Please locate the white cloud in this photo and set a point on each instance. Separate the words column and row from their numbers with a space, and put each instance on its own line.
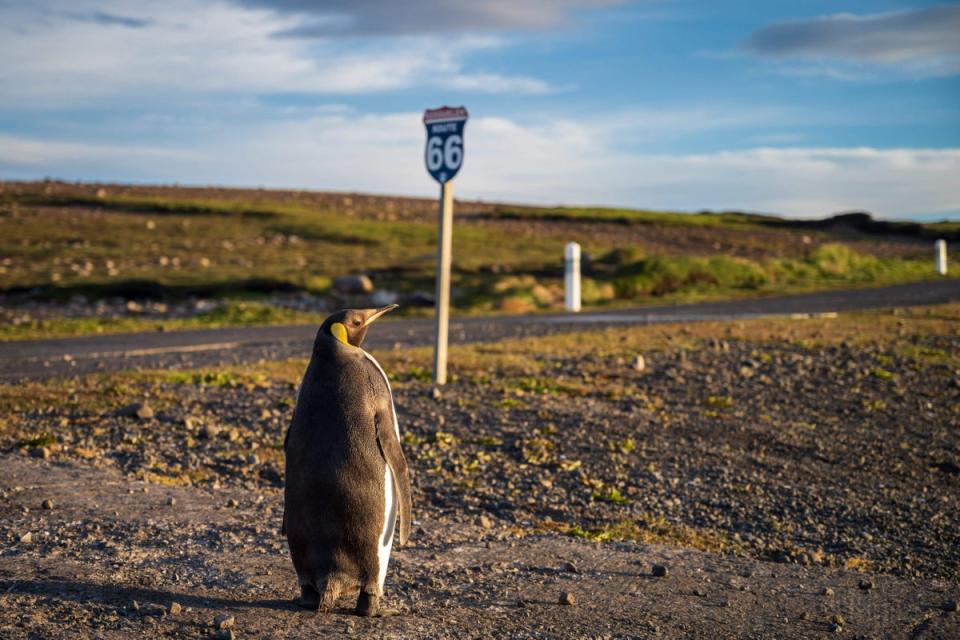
column 180, row 50
column 549, row 162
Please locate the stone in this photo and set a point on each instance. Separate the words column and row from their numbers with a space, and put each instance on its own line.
column 866, row 584
column 353, row 284
column 26, row 538
column 40, row 452
column 658, row 571
column 570, row 567
column 224, row 621
column 486, row 522
column 232, row 503
column 47, row 504
column 175, row 608
column 138, row 410
column 567, row 598
column 639, row 363
column 827, row 591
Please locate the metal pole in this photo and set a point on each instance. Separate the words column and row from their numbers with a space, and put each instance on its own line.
column 571, row 278
column 941, row 247
column 443, row 283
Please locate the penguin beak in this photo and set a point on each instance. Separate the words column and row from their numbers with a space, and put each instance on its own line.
column 377, row 313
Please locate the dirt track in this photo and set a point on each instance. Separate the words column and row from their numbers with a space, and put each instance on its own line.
column 109, row 560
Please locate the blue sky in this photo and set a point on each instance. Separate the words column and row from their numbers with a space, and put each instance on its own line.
column 802, row 109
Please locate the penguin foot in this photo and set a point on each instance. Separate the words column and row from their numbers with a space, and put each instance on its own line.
column 368, row 604
column 309, row 598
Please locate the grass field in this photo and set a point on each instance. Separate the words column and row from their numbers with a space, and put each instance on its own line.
column 59, row 241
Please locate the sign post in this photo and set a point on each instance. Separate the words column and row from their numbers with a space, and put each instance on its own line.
column 444, row 155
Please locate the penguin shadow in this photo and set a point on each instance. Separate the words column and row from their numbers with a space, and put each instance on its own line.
column 122, row 596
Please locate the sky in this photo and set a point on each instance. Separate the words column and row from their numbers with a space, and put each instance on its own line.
column 797, row 108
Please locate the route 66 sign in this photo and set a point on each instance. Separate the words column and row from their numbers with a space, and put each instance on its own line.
column 444, row 153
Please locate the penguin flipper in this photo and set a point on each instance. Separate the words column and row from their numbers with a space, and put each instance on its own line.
column 389, row 445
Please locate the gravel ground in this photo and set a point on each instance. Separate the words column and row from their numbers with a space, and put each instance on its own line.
column 117, row 558
column 832, row 465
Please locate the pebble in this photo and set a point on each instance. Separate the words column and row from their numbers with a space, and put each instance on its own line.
column 175, row 608
column 570, row 567
column 26, row 538
column 639, row 363
column 658, row 570
column 827, row 591
column 139, row 410
column 224, row 621
column 567, row 598
column 171, row 501
column 47, row 504
column 486, row 522
column 866, row 584
column 40, row 452
column 232, row 502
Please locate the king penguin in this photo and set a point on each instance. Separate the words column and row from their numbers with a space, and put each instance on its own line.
column 347, row 482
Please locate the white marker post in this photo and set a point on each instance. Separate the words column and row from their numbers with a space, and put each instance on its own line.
column 571, row 278
column 941, row 253
column 444, row 155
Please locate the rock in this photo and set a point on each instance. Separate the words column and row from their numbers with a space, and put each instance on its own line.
column 175, row 608
column 639, row 363
column 139, row 410
column 950, row 606
column 866, row 584
column 486, row 522
column 209, row 431
column 353, row 284
column 570, row 567
column 838, row 620
column 47, row 504
column 26, row 538
column 224, row 621
column 827, row 591
column 658, row 570
column 40, row 452
column 171, row 501
column 435, row 393
column 567, row 598
column 232, row 503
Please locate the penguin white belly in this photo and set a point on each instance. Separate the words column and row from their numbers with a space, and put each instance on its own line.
column 389, row 523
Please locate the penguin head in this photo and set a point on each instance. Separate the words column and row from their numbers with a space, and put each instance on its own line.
column 349, row 326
